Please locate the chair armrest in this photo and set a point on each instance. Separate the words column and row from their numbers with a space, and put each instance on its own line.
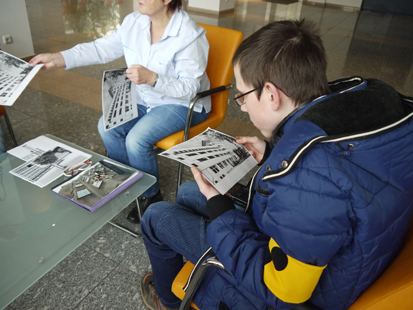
column 195, row 99
column 196, row 277
column 213, row 91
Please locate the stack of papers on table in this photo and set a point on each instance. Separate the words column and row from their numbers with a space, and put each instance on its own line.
column 45, row 160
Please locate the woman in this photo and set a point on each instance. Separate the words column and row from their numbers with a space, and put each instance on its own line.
column 166, row 53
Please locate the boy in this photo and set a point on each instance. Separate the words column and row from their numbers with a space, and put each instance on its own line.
column 330, row 206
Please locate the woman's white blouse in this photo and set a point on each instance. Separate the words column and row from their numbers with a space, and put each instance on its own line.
column 179, row 58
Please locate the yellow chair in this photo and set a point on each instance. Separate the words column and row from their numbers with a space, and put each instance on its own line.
column 222, row 46
column 8, row 123
column 392, row 290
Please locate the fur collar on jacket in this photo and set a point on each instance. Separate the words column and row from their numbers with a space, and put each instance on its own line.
column 349, row 112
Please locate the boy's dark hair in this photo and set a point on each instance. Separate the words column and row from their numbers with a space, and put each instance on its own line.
column 174, row 4
column 288, row 54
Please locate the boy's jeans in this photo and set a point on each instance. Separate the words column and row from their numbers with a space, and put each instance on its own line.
column 171, row 231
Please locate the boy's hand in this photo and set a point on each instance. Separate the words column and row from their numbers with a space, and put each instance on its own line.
column 254, row 145
column 49, row 60
column 140, row 75
column 204, row 186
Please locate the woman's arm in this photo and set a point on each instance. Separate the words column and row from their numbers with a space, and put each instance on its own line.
column 100, row 51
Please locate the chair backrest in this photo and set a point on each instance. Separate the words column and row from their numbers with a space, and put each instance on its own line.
column 223, row 43
column 394, row 288
column 222, row 46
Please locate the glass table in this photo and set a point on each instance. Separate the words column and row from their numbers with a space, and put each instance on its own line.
column 39, row 228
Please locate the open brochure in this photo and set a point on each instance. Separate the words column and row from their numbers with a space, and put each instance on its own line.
column 96, row 185
column 15, row 75
column 45, row 160
column 222, row 161
column 118, row 99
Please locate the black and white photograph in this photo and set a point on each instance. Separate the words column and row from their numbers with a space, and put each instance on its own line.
column 221, row 160
column 15, row 75
column 118, row 98
column 45, row 160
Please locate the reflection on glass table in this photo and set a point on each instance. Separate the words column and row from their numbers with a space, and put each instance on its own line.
column 39, row 228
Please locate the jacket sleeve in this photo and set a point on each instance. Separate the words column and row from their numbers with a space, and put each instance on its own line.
column 303, row 223
column 218, row 205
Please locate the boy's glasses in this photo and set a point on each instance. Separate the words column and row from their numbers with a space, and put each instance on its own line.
column 240, row 98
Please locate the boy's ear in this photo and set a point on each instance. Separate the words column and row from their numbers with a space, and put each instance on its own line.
column 273, row 95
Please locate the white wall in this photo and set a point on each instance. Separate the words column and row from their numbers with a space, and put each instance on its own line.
column 317, row 1
column 352, row 3
column 226, row 5
column 211, row 5
column 14, row 22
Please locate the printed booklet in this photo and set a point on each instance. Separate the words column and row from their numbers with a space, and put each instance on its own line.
column 221, row 160
column 96, row 185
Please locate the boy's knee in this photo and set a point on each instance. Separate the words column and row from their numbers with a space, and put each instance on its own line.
column 187, row 186
column 154, row 214
column 186, row 189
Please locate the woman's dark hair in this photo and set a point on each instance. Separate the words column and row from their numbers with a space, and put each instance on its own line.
column 174, row 4
column 288, row 54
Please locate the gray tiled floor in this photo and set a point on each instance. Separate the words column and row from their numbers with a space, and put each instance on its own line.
column 104, row 272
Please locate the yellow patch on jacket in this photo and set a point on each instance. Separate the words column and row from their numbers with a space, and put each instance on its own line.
column 289, row 279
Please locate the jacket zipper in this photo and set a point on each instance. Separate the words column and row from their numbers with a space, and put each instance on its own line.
column 262, row 191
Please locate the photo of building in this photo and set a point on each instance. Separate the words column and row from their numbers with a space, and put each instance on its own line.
column 118, row 98
column 218, row 156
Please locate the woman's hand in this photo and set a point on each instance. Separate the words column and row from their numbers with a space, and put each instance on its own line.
column 140, row 75
column 48, row 60
column 204, row 186
column 254, row 145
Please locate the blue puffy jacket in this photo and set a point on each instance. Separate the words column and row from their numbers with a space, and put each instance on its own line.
column 328, row 210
